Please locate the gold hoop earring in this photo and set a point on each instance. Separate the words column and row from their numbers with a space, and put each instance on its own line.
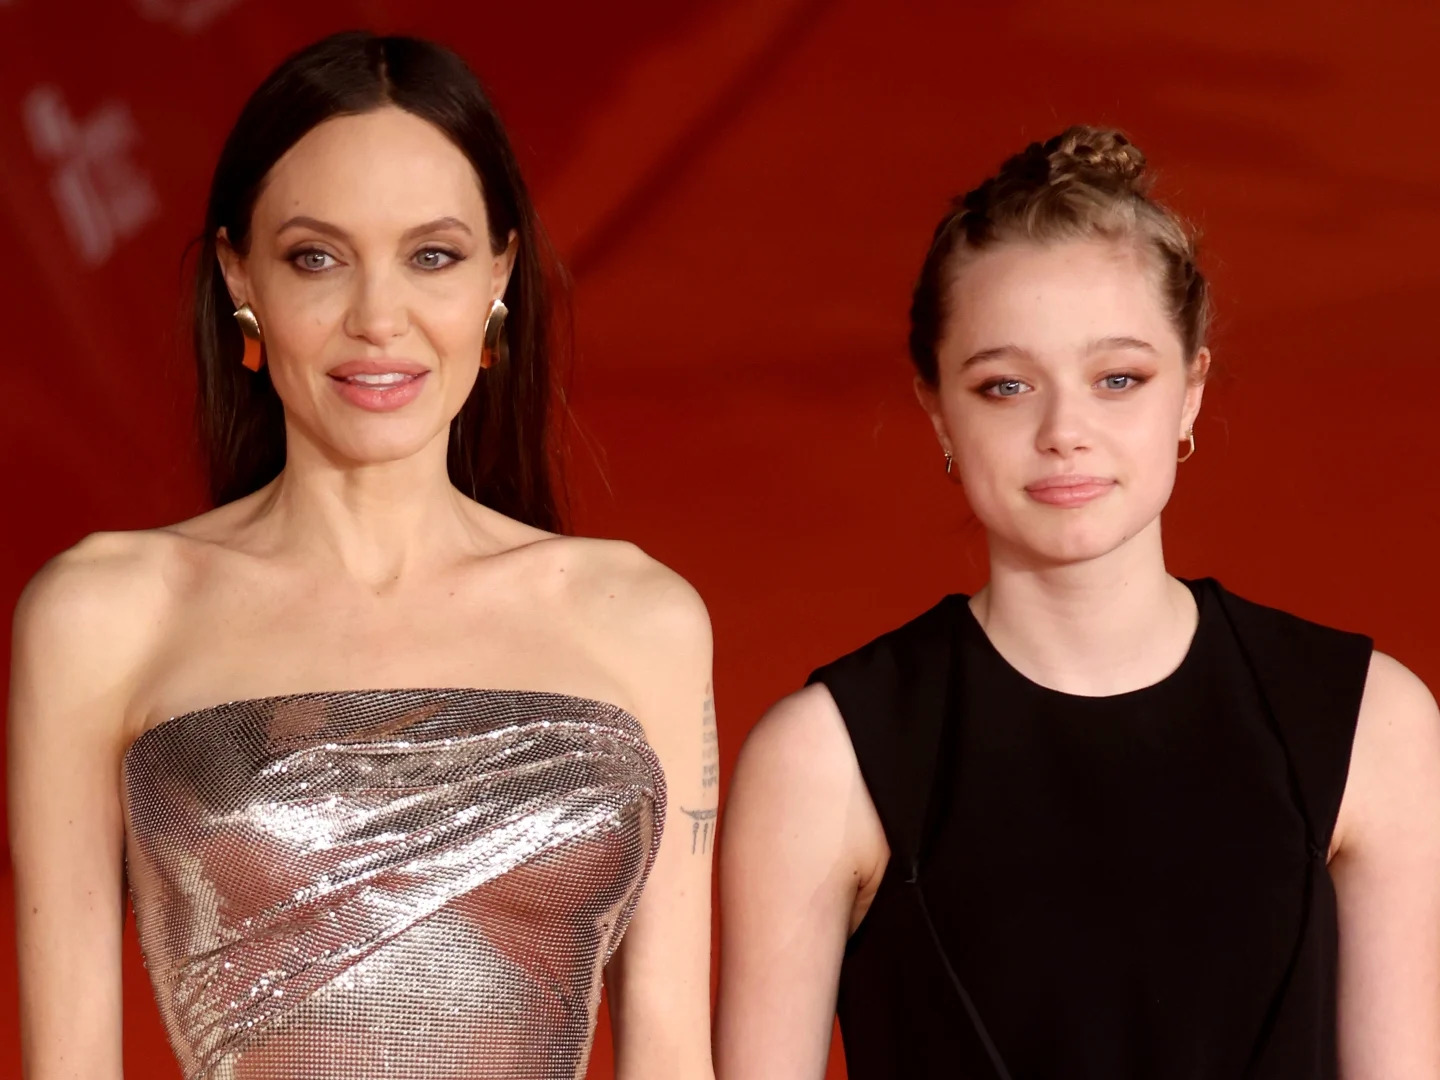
column 1190, row 435
column 951, row 473
column 254, row 358
column 497, row 346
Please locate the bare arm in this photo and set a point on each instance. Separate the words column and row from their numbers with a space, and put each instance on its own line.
column 803, row 851
column 1386, row 867
column 659, row 979
column 67, row 702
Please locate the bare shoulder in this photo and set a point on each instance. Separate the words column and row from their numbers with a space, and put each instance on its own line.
column 98, row 581
column 798, row 767
column 642, row 623
column 1386, row 870
column 86, row 619
column 800, row 748
column 1399, row 721
column 1395, row 692
column 631, row 598
column 1395, row 761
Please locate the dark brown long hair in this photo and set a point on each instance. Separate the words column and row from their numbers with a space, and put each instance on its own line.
column 499, row 451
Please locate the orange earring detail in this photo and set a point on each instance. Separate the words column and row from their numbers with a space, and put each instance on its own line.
column 496, row 346
column 254, row 358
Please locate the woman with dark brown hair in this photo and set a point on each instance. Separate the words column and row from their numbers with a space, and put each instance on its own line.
column 385, row 755
column 1093, row 822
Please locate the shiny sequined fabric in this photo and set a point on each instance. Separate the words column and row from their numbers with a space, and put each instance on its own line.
column 405, row 884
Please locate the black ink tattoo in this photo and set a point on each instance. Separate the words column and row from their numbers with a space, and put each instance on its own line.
column 702, row 822
column 709, row 743
column 702, row 830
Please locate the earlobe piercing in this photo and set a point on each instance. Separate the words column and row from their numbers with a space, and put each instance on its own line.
column 1190, row 436
column 254, row 357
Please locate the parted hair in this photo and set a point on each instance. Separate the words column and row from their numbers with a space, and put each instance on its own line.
column 500, row 447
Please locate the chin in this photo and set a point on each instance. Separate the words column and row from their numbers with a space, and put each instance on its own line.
column 381, row 447
column 1064, row 543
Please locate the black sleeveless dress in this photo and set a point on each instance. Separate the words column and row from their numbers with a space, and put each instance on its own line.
column 1100, row 888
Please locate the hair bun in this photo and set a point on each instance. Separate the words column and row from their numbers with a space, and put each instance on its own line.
column 1090, row 151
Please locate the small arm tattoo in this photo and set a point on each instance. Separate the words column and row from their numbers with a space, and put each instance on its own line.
column 702, row 822
column 709, row 743
column 702, row 830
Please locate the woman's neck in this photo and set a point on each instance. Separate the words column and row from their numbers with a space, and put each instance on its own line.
column 374, row 523
column 1101, row 627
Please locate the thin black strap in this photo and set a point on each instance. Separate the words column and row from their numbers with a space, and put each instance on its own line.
column 1311, row 681
column 895, row 696
column 996, row 1061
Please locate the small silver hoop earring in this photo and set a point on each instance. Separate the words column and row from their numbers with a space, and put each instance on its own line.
column 949, row 462
column 1190, row 435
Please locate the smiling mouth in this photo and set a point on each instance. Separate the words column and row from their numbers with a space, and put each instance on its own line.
column 379, row 391
column 376, row 382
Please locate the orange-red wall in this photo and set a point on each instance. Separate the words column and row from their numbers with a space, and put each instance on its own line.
column 743, row 189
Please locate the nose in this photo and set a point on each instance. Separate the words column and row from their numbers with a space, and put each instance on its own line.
column 377, row 312
column 1065, row 423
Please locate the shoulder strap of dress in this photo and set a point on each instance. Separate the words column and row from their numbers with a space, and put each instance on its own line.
column 893, row 695
column 1312, row 678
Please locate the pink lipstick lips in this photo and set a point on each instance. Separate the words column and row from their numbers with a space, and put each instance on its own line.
column 1068, row 491
column 379, row 385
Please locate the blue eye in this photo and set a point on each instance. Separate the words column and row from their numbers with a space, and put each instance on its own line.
column 1004, row 388
column 1120, row 382
column 435, row 258
column 312, row 260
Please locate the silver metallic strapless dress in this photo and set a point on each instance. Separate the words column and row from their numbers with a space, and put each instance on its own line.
column 404, row 884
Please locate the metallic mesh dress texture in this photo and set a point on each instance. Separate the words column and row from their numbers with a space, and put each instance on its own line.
column 404, row 884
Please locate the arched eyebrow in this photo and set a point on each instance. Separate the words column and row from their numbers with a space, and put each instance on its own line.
column 999, row 352
column 1112, row 344
column 301, row 221
column 443, row 224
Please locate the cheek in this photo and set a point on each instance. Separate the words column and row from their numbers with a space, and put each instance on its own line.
column 991, row 473
column 457, row 334
column 1152, row 436
column 990, row 442
column 1149, row 466
column 451, row 315
column 300, row 318
column 454, row 334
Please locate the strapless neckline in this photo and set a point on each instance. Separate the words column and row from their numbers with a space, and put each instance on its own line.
column 272, row 700
column 420, row 884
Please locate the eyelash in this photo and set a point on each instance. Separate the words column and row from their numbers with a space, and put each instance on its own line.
column 296, row 256
column 453, row 257
column 987, row 389
column 1135, row 380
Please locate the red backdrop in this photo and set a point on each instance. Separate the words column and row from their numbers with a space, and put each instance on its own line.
column 743, row 191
